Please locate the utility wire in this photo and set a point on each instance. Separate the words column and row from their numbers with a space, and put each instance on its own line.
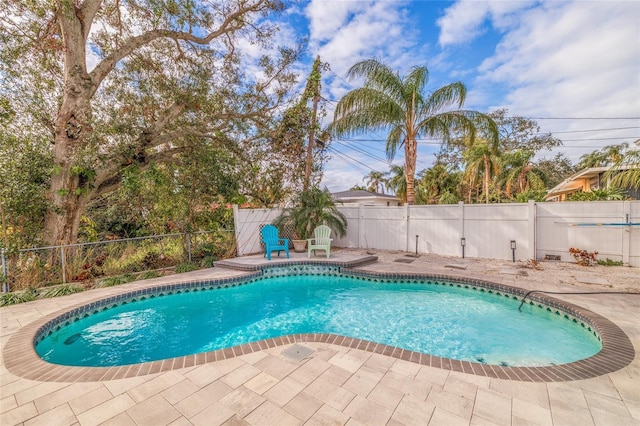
column 594, row 130
column 350, row 160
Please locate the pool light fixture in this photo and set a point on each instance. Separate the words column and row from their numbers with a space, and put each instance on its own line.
column 513, row 250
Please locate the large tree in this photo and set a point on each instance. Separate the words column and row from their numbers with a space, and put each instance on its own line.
column 116, row 85
column 519, row 174
column 403, row 107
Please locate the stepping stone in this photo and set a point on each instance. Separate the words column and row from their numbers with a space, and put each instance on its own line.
column 404, row 260
column 456, row 265
column 591, row 279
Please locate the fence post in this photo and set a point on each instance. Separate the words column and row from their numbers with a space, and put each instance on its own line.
column 4, row 271
column 407, row 223
column 361, row 231
column 626, row 233
column 63, row 264
column 532, row 230
column 461, row 221
column 189, row 246
column 236, row 228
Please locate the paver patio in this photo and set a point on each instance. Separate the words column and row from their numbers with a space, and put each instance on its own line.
column 332, row 385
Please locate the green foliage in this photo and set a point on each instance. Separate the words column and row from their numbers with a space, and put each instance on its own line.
column 556, row 169
column 520, row 133
column 18, row 297
column 625, row 172
column 397, row 182
column 358, row 187
column 26, row 167
column 440, row 184
column 149, row 275
column 535, row 195
column 606, row 156
column 207, row 262
column 609, row 262
column 607, row 194
column 186, row 267
column 157, row 91
column 116, row 280
column 376, row 182
column 60, row 290
column 403, row 107
column 32, row 293
column 312, row 208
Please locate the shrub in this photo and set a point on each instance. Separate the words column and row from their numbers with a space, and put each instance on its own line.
column 584, row 257
column 186, row 267
column 60, row 290
column 116, row 280
column 609, row 262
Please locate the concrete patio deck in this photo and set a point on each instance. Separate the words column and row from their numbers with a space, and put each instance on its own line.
column 334, row 384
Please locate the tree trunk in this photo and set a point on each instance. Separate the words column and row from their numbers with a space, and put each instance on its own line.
column 69, row 183
column 487, row 176
column 410, row 152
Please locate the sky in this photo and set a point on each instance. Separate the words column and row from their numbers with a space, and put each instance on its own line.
column 572, row 66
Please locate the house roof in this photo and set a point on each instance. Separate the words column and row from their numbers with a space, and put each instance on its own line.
column 573, row 182
column 362, row 195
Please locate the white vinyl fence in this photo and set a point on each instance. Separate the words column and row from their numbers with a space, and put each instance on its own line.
column 539, row 230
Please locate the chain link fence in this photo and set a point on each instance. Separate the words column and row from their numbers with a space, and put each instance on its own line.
column 133, row 257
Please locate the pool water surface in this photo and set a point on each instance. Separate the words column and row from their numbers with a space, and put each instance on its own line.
column 436, row 319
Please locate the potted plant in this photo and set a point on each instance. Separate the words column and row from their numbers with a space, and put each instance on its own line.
column 310, row 209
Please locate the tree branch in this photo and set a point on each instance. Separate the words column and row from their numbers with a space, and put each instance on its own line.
column 231, row 23
column 88, row 12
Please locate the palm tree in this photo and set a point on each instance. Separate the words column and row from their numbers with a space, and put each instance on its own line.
column 374, row 181
column 625, row 173
column 397, row 182
column 518, row 171
column 440, row 184
column 481, row 159
column 607, row 156
column 402, row 106
column 311, row 208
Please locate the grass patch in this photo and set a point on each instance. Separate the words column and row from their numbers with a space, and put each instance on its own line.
column 60, row 290
column 117, row 280
column 186, row 267
column 609, row 262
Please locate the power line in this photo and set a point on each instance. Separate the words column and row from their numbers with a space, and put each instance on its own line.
column 595, row 130
column 368, row 154
column 430, row 141
column 600, row 139
column 351, row 160
column 580, row 118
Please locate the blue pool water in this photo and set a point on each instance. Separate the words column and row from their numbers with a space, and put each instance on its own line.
column 440, row 320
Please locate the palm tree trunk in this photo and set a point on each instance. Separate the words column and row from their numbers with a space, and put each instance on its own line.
column 487, row 175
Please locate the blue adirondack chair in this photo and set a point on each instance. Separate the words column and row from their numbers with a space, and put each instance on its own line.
column 321, row 240
column 272, row 242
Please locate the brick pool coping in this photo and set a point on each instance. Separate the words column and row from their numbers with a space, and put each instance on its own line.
column 617, row 350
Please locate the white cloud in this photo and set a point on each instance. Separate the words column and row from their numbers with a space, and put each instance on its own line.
column 465, row 20
column 345, row 32
column 572, row 59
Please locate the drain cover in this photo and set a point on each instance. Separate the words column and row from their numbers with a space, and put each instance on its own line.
column 297, row 352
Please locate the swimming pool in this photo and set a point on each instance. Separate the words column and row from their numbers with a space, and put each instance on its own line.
column 463, row 321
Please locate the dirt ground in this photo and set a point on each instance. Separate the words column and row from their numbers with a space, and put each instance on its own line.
column 598, row 277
